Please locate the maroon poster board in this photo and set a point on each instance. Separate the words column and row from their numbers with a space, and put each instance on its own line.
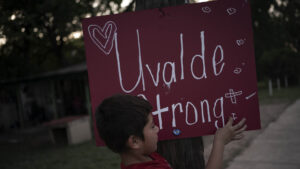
column 194, row 63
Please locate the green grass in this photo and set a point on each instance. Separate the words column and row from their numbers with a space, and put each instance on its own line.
column 87, row 155
column 83, row 156
column 283, row 95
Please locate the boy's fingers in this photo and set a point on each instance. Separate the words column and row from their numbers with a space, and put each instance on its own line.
column 230, row 121
column 238, row 137
column 240, row 124
column 241, row 129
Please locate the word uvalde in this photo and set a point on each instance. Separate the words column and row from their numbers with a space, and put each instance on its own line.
column 197, row 63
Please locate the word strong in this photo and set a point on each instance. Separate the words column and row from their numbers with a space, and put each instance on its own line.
column 197, row 64
column 192, row 112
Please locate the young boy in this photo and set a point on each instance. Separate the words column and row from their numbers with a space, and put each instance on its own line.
column 126, row 125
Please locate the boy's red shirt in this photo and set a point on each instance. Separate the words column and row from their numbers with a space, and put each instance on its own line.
column 158, row 162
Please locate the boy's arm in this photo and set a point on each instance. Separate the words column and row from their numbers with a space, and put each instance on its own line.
column 222, row 137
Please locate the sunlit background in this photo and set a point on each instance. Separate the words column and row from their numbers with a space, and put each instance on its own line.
column 78, row 34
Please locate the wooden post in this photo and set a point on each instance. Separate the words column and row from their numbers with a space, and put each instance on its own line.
column 182, row 153
column 87, row 96
column 88, row 101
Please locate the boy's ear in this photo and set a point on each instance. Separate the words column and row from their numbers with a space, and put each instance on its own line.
column 134, row 142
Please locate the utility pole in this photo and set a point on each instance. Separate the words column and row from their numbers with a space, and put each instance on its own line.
column 181, row 153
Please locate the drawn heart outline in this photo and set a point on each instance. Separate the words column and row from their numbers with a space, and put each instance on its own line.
column 206, row 9
column 231, row 11
column 107, row 32
column 240, row 42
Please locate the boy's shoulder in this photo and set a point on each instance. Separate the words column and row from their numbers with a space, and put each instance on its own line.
column 158, row 162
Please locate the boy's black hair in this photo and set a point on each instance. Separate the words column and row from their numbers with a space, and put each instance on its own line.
column 120, row 116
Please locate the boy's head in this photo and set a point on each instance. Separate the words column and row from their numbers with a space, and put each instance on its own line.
column 120, row 117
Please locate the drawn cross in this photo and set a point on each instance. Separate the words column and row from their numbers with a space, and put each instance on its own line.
column 234, row 116
column 232, row 95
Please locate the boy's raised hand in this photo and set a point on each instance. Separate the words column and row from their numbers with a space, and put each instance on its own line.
column 231, row 132
column 222, row 137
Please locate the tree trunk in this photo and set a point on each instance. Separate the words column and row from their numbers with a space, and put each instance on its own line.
column 286, row 84
column 20, row 105
column 270, row 88
column 278, row 84
column 181, row 153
